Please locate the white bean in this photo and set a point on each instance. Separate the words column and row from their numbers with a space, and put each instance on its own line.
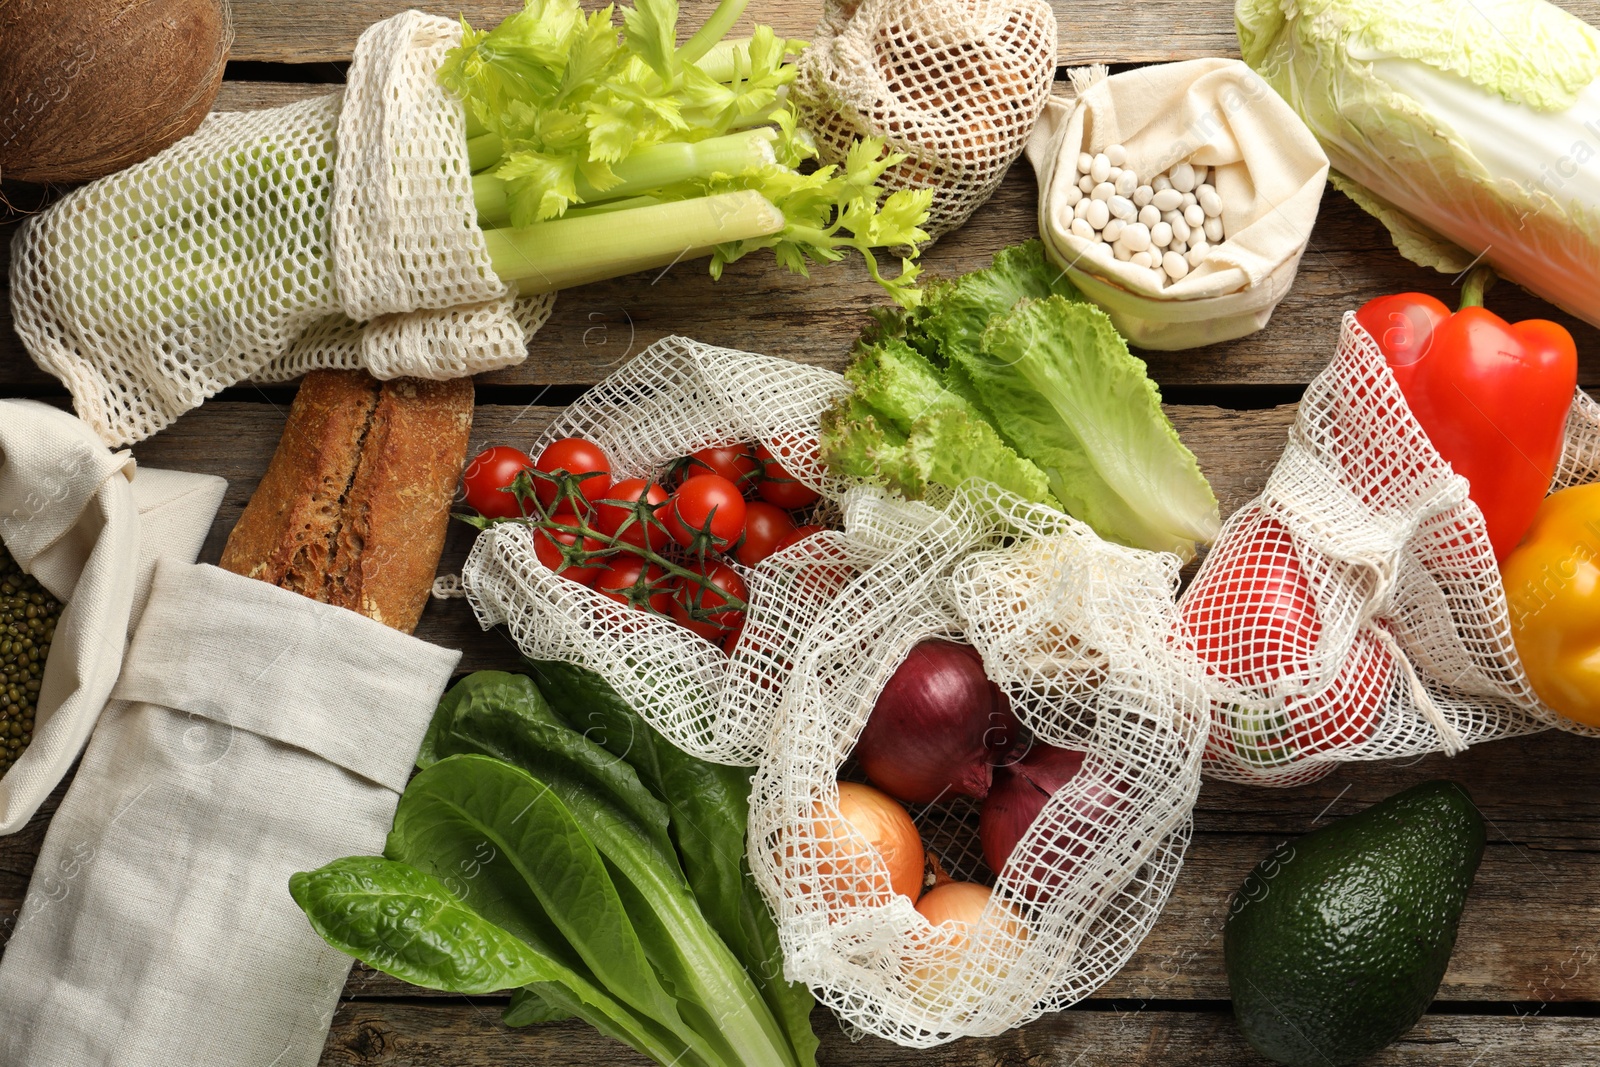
column 1117, row 154
column 1210, row 201
column 1194, row 215
column 1081, row 208
column 1136, row 236
column 1196, row 254
column 1167, row 200
column 1144, row 259
column 1214, row 229
column 1200, row 172
column 1149, row 214
column 1113, row 230
column 1180, row 247
column 1085, row 161
column 1081, row 228
column 1180, row 230
column 1122, row 208
column 1104, row 191
column 1113, row 174
column 1161, row 182
column 1182, row 177
column 1100, row 168
column 1072, row 194
column 1121, row 251
column 1175, row 265
column 1127, row 183
column 1142, row 195
column 1099, row 214
column 1100, row 250
column 1161, row 234
column 1189, row 200
column 1085, row 183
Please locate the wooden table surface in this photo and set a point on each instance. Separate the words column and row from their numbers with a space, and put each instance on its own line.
column 1524, row 984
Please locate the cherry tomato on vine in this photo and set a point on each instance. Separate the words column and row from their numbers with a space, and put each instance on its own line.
column 691, row 598
column 707, row 504
column 545, row 544
column 731, row 642
column 575, row 456
column 800, row 534
column 766, row 526
column 617, row 507
column 619, row 577
column 733, row 462
column 490, row 471
column 778, row 486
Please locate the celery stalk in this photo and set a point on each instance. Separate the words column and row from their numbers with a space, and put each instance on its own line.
column 548, row 256
column 483, row 151
column 649, row 168
column 713, row 30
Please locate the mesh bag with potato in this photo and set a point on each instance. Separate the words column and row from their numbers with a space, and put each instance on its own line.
column 956, row 86
column 1082, row 636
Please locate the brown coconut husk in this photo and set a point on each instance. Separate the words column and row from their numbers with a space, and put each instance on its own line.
column 88, row 87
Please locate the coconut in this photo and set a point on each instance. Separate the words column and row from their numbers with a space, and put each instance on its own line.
column 88, row 87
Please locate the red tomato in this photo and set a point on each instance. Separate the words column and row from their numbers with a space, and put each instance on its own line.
column 575, row 456
column 733, row 462
column 731, row 642
column 778, row 486
column 618, row 507
column 545, row 544
column 619, row 580
column 706, row 511
column 695, row 606
column 766, row 528
column 491, row 471
column 800, row 534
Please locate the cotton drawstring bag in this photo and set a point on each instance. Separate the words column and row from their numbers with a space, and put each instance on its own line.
column 253, row 733
column 1083, row 637
column 956, row 85
column 1269, row 171
column 677, row 397
column 89, row 525
column 1364, row 529
column 336, row 232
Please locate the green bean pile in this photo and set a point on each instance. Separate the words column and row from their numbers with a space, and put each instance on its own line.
column 28, row 617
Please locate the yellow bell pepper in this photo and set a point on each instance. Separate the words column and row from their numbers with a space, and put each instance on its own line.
column 1552, row 581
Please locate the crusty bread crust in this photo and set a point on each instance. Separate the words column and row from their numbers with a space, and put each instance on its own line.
column 354, row 508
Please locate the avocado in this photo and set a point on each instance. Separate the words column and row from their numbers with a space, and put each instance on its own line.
column 1336, row 943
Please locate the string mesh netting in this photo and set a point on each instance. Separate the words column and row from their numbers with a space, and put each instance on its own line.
column 1354, row 610
column 1083, row 636
column 956, row 86
column 675, row 398
column 333, row 232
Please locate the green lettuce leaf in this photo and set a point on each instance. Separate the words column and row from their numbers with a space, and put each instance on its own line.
column 1120, row 461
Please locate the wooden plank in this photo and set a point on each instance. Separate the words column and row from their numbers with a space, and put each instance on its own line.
column 1155, row 31
column 470, row 1035
column 760, row 307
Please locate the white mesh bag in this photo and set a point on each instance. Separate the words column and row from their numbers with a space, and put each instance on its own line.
column 333, row 232
column 1354, row 611
column 676, row 397
column 956, row 86
column 1083, row 636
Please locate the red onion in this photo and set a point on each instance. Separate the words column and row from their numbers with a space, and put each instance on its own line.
column 938, row 726
column 1020, row 794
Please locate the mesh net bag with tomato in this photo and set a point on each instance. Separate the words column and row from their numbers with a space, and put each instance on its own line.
column 978, row 790
column 1355, row 609
column 667, row 533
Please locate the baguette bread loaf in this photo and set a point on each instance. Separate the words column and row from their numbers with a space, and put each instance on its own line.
column 354, row 507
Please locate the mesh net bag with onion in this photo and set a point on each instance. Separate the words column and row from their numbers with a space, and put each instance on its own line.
column 676, row 397
column 1083, row 637
column 956, row 85
column 334, row 232
column 1354, row 610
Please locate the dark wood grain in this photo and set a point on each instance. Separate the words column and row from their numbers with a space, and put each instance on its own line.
column 1099, row 1035
column 1101, row 31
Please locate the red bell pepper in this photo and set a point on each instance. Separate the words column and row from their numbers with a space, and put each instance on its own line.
column 1492, row 396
